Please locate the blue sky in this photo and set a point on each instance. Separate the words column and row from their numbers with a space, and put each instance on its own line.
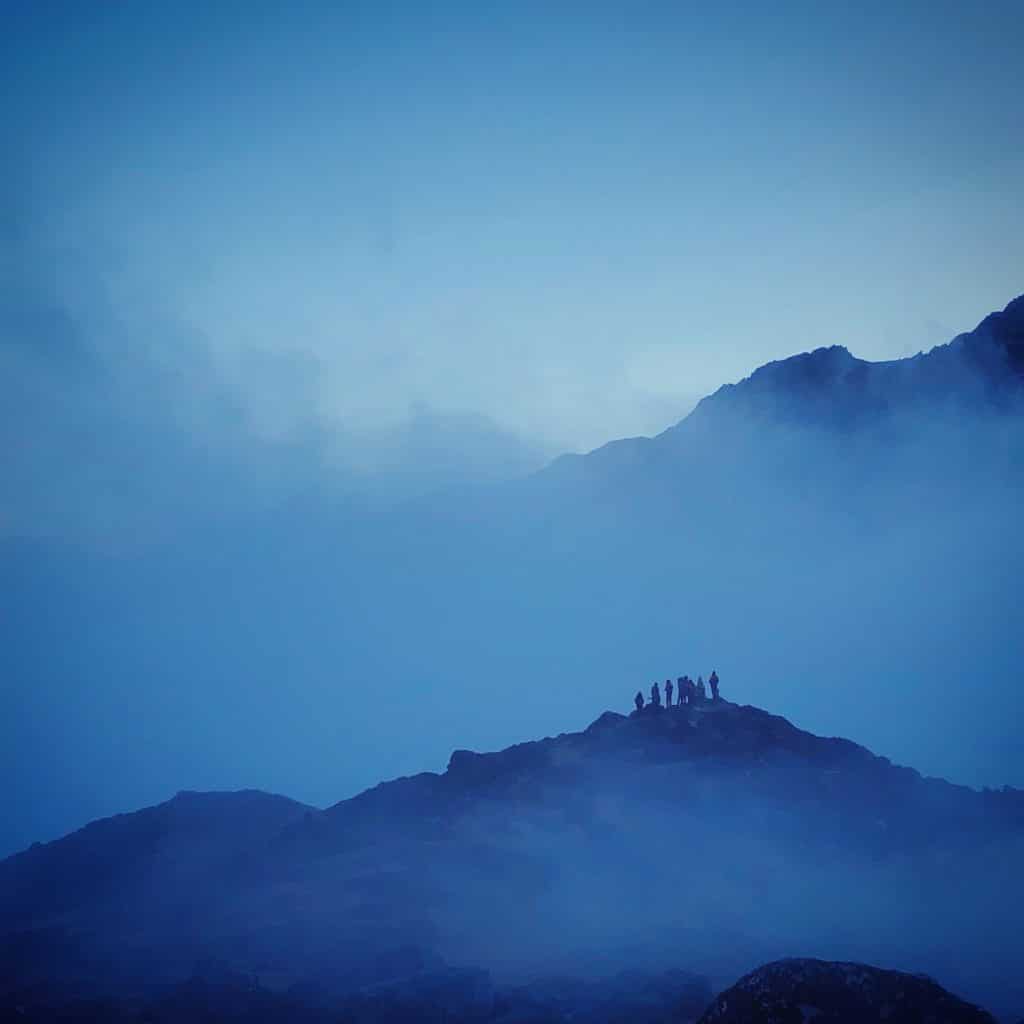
column 572, row 220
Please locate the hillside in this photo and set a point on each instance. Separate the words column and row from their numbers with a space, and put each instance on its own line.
column 562, row 854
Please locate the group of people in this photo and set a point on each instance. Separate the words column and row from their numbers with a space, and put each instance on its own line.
column 690, row 693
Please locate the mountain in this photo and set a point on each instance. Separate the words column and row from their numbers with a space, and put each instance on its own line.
column 981, row 369
column 861, row 570
column 825, row 446
column 705, row 839
column 814, row 461
column 980, row 372
column 188, row 839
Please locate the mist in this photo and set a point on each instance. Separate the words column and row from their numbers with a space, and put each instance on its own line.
column 682, row 867
column 196, row 604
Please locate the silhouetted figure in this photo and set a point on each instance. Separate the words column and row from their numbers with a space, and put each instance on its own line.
column 681, row 690
column 638, row 700
column 668, row 693
column 656, row 696
column 713, row 681
column 691, row 691
column 702, row 694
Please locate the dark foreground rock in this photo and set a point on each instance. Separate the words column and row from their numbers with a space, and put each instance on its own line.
column 798, row 991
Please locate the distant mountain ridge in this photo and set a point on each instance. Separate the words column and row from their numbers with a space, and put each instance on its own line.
column 985, row 365
column 979, row 371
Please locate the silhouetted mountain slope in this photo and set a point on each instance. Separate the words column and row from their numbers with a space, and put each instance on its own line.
column 743, row 746
column 186, row 842
column 979, row 370
column 979, row 373
column 543, row 856
column 837, row 993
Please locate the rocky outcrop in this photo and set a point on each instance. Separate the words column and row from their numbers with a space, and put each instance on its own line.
column 825, row 992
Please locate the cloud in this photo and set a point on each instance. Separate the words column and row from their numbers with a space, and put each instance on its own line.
column 120, row 424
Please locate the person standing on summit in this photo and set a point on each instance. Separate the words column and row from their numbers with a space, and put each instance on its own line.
column 713, row 682
column 668, row 693
column 638, row 700
column 656, row 696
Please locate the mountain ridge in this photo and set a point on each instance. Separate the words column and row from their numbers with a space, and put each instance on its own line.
column 994, row 349
column 830, row 387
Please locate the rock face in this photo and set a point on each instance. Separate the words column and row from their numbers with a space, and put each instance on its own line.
column 825, row 992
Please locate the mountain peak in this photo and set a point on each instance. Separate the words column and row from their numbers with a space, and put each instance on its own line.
column 827, row 359
column 823, row 386
column 830, row 387
column 731, row 737
column 1002, row 330
column 804, row 371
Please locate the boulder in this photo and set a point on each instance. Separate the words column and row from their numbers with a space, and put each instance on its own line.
column 826, row 992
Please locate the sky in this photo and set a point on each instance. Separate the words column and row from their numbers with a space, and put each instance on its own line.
column 266, row 268
column 570, row 221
